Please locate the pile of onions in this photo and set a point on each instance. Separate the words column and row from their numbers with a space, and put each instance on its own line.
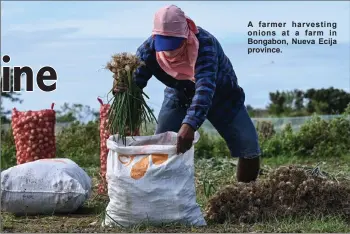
column 104, row 134
column 34, row 134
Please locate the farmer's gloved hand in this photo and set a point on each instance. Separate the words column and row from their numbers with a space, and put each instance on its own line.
column 185, row 138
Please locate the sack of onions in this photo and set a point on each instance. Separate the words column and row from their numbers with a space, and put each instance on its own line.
column 104, row 134
column 129, row 109
column 34, row 134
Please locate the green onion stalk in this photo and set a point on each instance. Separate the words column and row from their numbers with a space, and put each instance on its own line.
column 128, row 109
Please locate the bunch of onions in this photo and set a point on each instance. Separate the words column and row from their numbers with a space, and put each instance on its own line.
column 34, row 134
column 128, row 109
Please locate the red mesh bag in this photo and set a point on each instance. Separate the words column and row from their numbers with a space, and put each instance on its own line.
column 104, row 134
column 34, row 134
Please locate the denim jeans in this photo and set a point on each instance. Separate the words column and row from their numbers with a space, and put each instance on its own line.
column 240, row 135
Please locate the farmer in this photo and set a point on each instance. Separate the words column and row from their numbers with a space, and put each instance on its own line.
column 201, row 84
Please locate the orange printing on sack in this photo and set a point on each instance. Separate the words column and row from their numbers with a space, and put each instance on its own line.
column 139, row 169
column 158, row 159
column 128, row 157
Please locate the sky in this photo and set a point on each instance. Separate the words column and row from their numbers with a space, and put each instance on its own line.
column 77, row 39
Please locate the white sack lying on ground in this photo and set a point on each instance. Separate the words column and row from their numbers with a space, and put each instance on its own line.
column 149, row 183
column 44, row 187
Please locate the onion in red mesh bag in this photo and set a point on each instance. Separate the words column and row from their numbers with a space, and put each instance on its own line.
column 34, row 134
column 104, row 134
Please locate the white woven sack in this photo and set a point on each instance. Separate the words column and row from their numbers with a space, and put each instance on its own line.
column 44, row 186
column 149, row 183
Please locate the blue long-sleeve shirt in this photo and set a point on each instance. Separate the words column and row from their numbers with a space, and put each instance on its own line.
column 215, row 95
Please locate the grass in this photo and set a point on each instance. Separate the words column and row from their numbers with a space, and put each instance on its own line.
column 216, row 171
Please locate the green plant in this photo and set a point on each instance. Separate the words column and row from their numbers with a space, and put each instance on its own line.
column 271, row 147
column 204, row 147
column 347, row 111
column 209, row 188
column 323, row 138
column 8, row 149
column 220, row 147
column 316, row 138
column 81, row 143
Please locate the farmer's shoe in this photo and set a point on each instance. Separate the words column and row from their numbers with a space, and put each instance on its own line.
column 248, row 169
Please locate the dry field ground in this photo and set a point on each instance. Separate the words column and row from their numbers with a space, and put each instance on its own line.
column 220, row 172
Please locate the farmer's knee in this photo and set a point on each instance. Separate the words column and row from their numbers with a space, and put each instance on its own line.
column 241, row 136
column 244, row 143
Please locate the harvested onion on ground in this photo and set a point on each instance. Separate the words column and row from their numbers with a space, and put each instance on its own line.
column 288, row 191
column 128, row 109
column 34, row 134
